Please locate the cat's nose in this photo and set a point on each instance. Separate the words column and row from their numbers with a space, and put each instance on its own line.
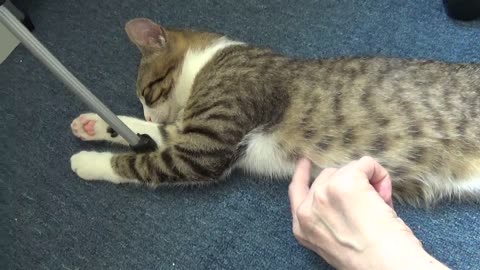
column 149, row 119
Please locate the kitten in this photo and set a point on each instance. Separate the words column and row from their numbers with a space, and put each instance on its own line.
column 213, row 104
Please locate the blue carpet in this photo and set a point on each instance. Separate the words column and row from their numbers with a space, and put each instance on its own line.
column 52, row 220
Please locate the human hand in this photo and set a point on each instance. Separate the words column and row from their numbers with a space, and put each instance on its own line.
column 347, row 217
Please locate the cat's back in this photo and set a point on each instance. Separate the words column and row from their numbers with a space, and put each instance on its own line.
column 414, row 115
column 417, row 117
column 386, row 91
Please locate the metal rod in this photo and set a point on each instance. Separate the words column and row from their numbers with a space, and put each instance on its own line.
column 52, row 63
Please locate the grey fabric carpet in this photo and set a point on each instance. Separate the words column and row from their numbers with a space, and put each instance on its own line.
column 52, row 220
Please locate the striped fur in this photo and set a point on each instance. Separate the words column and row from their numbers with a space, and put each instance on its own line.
column 218, row 104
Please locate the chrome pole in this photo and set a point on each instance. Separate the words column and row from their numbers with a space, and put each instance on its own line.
column 62, row 73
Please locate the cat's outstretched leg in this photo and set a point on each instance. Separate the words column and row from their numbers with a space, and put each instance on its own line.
column 96, row 166
column 168, row 166
column 90, row 127
column 192, row 153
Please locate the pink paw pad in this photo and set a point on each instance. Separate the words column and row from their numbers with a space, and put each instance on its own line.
column 89, row 126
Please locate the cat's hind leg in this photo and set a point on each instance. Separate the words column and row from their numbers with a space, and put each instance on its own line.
column 461, row 183
column 467, row 189
column 465, row 185
column 90, row 127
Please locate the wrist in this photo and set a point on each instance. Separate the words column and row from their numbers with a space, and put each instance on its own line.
column 407, row 254
column 432, row 263
column 419, row 259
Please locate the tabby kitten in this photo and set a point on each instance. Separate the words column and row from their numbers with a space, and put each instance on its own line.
column 213, row 104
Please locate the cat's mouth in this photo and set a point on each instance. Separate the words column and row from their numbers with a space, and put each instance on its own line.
column 168, row 118
column 169, row 114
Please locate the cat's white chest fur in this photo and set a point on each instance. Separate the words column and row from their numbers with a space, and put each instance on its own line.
column 264, row 156
column 194, row 61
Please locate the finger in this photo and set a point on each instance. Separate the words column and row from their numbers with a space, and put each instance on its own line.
column 378, row 177
column 299, row 186
column 323, row 177
column 326, row 173
column 389, row 202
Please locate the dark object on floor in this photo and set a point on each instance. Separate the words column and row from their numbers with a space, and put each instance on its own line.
column 19, row 13
column 465, row 10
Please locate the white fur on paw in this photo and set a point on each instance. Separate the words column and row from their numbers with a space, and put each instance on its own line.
column 94, row 166
column 90, row 127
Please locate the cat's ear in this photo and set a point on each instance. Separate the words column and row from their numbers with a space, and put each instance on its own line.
column 146, row 34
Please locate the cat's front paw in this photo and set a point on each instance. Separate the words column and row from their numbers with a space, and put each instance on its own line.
column 94, row 166
column 90, row 127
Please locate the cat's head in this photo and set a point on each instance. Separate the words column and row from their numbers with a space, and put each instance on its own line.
column 158, row 71
column 163, row 51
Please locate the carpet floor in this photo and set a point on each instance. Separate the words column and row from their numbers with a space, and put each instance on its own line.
column 52, row 220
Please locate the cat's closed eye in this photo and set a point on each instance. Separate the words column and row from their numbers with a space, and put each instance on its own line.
column 156, row 93
column 159, row 88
